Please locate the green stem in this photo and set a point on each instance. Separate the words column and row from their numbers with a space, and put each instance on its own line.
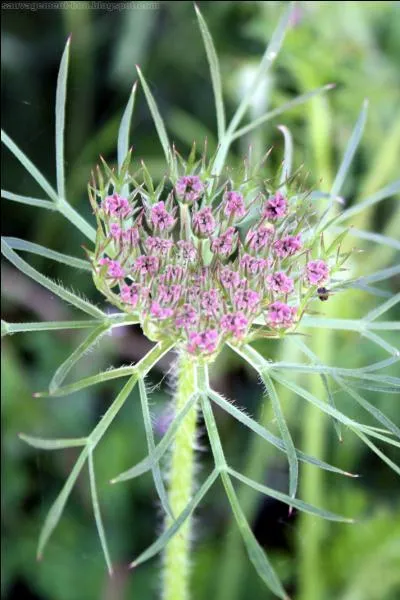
column 176, row 559
column 312, row 531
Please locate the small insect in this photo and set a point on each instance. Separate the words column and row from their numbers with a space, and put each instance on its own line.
column 323, row 294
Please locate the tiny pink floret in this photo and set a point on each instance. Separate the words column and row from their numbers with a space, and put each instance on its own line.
column 317, row 272
column 281, row 315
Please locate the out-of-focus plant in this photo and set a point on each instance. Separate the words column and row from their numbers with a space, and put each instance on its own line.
column 211, row 256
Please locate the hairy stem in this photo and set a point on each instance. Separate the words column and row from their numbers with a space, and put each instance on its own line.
column 176, row 559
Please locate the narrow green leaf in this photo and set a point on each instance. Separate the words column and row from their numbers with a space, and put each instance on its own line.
column 150, row 460
column 375, row 412
column 165, row 537
column 157, row 477
column 66, row 295
column 256, row 554
column 212, row 431
column 387, row 192
column 124, row 129
column 306, row 350
column 282, row 109
column 142, row 368
column 71, row 261
column 288, row 156
column 321, row 405
column 215, row 72
column 267, row 60
column 382, row 308
column 76, row 355
column 61, row 96
column 240, row 416
column 11, row 328
column 29, row 166
column 57, row 508
column 299, row 504
column 44, row 444
column 158, row 122
column 285, row 433
column 97, row 513
column 28, row 200
column 370, row 236
column 350, row 151
column 382, row 343
column 102, row 376
column 378, row 452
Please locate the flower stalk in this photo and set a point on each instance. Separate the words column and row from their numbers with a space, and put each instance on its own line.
column 176, row 570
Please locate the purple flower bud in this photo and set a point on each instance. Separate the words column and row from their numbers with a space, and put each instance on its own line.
column 161, row 219
column 115, row 231
column 169, row 294
column 131, row 236
column 130, row 294
column 158, row 245
column 173, row 273
column 211, row 302
column 234, row 204
column 225, row 243
column 229, row 278
column 247, row 300
column 203, row 223
column 147, row 265
column 275, row 207
column 252, row 265
column 287, row 246
column 258, row 239
column 116, row 206
column 280, row 283
column 280, row 315
column 186, row 316
column 317, row 272
column 160, row 312
column 235, row 323
column 114, row 269
column 205, row 341
column 189, row 188
column 187, row 251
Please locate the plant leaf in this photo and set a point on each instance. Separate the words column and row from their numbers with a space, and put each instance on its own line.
column 61, row 96
column 150, row 460
column 28, row 200
column 288, row 156
column 285, row 433
column 45, row 444
column 157, row 477
column 215, row 72
column 158, row 122
column 11, row 328
column 76, row 355
column 71, row 261
column 387, row 192
column 240, row 416
column 164, row 538
column 255, row 552
column 350, row 151
column 29, row 166
column 268, row 116
column 97, row 513
column 124, row 128
column 299, row 504
column 66, row 295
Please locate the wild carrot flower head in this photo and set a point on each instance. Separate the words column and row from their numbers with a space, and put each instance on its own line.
column 210, row 262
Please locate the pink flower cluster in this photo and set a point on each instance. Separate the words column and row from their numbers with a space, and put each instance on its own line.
column 204, row 280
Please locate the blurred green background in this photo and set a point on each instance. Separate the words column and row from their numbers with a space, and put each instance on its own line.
column 353, row 44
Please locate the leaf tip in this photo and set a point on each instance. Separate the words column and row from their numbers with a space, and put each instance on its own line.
column 132, row 565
